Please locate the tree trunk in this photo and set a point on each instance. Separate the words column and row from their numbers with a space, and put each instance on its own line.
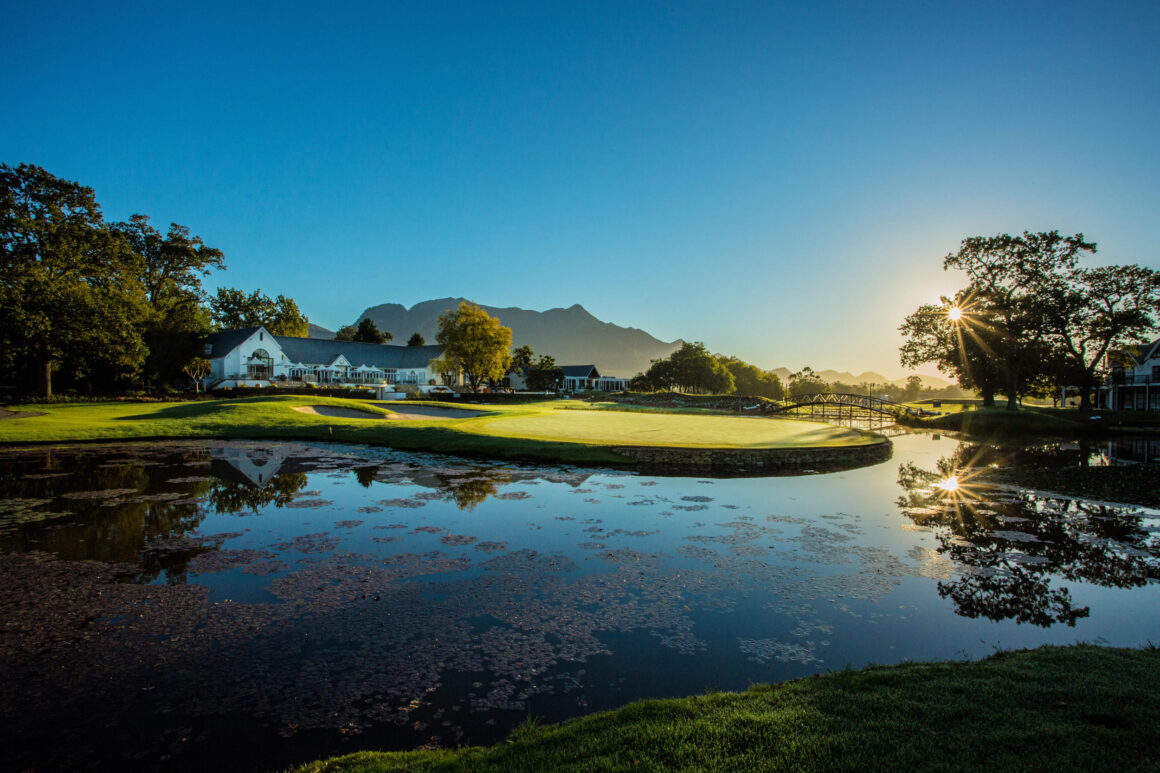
column 988, row 394
column 1085, row 397
column 46, row 377
column 1011, row 387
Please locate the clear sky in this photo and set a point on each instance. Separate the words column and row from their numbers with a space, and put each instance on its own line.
column 778, row 180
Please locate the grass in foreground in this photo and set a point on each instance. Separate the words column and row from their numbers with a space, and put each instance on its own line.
column 541, row 432
column 1051, row 709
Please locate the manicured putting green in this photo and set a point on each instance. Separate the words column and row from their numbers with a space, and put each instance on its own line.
column 662, row 429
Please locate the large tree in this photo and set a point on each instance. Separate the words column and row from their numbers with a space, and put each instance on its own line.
column 522, row 360
column 368, row 332
column 69, row 289
column 691, row 369
column 806, row 382
column 233, row 308
column 474, row 343
column 1091, row 312
column 1031, row 318
column 751, row 380
column 1008, row 275
column 954, row 342
column 173, row 267
column 544, row 375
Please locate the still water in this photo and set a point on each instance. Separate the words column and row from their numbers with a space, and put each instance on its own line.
column 252, row 605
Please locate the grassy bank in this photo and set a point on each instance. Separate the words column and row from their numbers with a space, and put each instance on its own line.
column 557, row 431
column 1054, row 708
column 1038, row 422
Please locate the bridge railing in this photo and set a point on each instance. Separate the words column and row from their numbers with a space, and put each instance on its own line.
column 844, row 399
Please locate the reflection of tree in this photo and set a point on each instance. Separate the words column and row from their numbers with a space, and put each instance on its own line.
column 467, row 491
column 366, row 475
column 113, row 528
column 232, row 497
column 1012, row 544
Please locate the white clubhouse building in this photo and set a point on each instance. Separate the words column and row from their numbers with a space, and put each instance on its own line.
column 253, row 357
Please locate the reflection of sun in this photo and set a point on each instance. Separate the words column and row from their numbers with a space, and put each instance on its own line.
column 957, row 486
column 954, row 314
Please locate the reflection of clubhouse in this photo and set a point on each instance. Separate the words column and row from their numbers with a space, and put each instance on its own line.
column 249, row 465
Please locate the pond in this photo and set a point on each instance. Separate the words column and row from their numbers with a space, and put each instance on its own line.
column 184, row 606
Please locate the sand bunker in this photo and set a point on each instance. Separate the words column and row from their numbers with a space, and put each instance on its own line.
column 413, row 412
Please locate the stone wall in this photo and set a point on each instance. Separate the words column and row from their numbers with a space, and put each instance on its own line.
column 756, row 461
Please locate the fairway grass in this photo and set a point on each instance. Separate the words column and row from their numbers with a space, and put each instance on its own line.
column 1051, row 709
column 625, row 428
column 552, row 431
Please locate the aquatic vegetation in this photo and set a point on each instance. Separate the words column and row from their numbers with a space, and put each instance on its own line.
column 435, row 617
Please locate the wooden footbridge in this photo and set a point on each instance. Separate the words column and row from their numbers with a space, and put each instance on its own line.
column 840, row 406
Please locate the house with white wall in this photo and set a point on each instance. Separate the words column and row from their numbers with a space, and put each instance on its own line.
column 253, row 357
column 1133, row 385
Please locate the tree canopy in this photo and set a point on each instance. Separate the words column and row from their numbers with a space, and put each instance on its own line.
column 105, row 306
column 752, row 381
column 368, row 332
column 691, row 369
column 173, row 267
column 69, row 291
column 415, row 340
column 474, row 343
column 1030, row 316
column 233, row 308
column 544, row 375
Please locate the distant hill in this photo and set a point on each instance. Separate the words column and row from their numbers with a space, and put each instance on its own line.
column 571, row 335
column 318, row 331
column 869, row 377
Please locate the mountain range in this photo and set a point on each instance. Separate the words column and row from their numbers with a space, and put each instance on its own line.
column 572, row 335
column 868, row 377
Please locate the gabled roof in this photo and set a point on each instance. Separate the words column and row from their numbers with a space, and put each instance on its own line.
column 320, row 351
column 1151, row 351
column 580, row 371
column 225, row 341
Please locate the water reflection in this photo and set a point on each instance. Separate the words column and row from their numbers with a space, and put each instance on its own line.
column 1012, row 547
column 321, row 593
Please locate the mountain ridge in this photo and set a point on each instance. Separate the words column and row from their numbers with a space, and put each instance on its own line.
column 572, row 335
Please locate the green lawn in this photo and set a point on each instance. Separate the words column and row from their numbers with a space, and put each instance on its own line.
column 550, row 431
column 560, row 421
column 1051, row 709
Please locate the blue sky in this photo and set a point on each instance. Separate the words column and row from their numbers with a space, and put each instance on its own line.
column 780, row 181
